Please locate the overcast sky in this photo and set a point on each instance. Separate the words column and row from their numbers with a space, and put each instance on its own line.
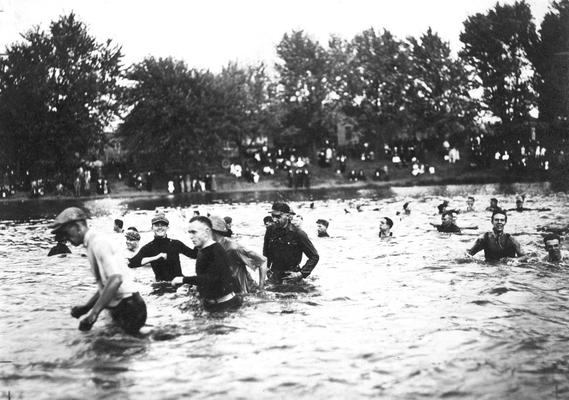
column 210, row 33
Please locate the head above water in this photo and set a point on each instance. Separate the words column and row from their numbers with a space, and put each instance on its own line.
column 160, row 225
column 200, row 231
column 218, row 225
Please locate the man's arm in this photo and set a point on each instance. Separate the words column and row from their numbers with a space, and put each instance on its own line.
column 518, row 247
column 310, row 251
column 136, row 260
column 185, row 250
column 109, row 291
column 478, row 245
column 78, row 311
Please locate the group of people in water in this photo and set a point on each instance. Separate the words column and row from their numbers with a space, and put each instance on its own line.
column 221, row 274
column 221, row 266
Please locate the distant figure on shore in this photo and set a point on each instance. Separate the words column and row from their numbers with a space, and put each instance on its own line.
column 118, row 224
column 60, row 247
column 213, row 277
column 116, row 292
column 284, row 245
column 493, row 205
column 520, row 206
column 385, row 225
column 162, row 253
column 553, row 246
column 497, row 244
column 322, row 228
column 470, row 204
column 240, row 258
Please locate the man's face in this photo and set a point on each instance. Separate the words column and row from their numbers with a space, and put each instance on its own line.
column 498, row 222
column 470, row 203
column 553, row 248
column 447, row 219
column 281, row 220
column 117, row 229
column 296, row 221
column 493, row 203
column 199, row 233
column 320, row 228
column 132, row 245
column 383, row 225
column 73, row 234
column 160, row 229
column 519, row 204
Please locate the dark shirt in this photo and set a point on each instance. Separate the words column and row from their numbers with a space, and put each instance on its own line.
column 164, row 270
column 496, row 247
column 452, row 228
column 213, row 277
column 283, row 248
column 323, row 234
column 59, row 248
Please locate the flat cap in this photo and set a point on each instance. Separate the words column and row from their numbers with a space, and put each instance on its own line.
column 70, row 214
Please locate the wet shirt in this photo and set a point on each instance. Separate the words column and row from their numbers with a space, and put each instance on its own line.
column 451, row 228
column 213, row 277
column 496, row 246
column 164, row 270
column 240, row 258
column 284, row 247
column 59, row 248
column 106, row 261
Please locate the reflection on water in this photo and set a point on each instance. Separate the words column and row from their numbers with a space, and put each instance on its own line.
column 405, row 318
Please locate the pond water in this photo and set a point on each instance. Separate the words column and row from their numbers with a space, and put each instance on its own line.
column 405, row 318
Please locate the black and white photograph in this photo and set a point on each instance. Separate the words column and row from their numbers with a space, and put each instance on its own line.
column 248, row 199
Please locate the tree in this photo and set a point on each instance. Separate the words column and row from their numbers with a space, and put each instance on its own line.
column 58, row 93
column 496, row 47
column 551, row 62
column 382, row 67
column 302, row 78
column 439, row 98
column 171, row 114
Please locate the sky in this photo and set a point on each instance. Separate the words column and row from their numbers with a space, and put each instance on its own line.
column 208, row 34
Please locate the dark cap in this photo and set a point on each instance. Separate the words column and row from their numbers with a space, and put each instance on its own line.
column 67, row 216
column 322, row 222
column 280, row 208
column 132, row 235
column 228, row 220
column 160, row 217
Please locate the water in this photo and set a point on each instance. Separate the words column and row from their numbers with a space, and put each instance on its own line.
column 406, row 318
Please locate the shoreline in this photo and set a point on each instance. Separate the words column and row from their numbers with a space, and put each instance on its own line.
column 272, row 185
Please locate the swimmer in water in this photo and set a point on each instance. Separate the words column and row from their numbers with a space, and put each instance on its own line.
column 553, row 246
column 162, row 253
column 447, row 224
column 60, row 247
column 385, row 225
column 470, row 204
column 213, row 277
column 322, row 228
column 520, row 206
column 497, row 244
column 116, row 292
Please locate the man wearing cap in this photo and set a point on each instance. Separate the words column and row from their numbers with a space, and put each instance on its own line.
column 116, row 292
column 239, row 258
column 213, row 276
column 322, row 228
column 60, row 247
column 284, row 245
column 132, row 240
column 162, row 253
column 228, row 222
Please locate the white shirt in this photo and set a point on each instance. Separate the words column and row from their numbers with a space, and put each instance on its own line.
column 105, row 262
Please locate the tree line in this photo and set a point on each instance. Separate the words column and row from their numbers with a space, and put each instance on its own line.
column 64, row 95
